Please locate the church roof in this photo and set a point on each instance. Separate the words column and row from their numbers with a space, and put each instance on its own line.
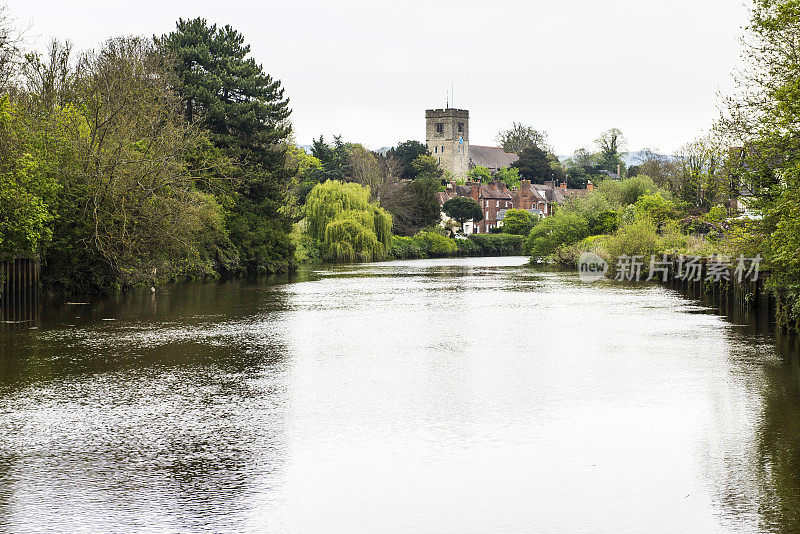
column 491, row 157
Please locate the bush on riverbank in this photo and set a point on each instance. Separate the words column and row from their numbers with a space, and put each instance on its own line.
column 429, row 244
column 497, row 244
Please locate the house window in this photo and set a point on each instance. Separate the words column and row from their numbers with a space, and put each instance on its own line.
column 498, row 204
column 460, row 127
column 439, row 128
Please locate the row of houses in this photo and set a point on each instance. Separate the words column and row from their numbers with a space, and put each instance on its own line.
column 496, row 198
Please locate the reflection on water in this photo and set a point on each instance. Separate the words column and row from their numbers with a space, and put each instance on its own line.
column 467, row 395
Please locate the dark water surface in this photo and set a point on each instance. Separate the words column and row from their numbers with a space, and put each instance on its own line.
column 465, row 395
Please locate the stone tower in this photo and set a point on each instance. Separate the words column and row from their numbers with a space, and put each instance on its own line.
column 447, row 137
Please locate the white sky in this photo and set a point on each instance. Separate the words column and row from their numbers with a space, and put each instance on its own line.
column 368, row 69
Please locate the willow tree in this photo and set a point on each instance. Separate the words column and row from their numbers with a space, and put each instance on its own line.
column 346, row 224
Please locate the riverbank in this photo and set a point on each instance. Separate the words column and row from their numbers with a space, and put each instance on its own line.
column 425, row 244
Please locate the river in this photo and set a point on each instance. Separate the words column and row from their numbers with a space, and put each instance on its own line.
column 459, row 395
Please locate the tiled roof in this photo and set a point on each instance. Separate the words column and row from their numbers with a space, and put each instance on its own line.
column 491, row 157
column 495, row 190
column 442, row 197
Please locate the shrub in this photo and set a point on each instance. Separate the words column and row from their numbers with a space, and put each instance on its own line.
column 637, row 239
column 563, row 228
column 518, row 222
column 655, row 207
column 498, row 244
column 405, row 248
column 436, row 245
column 467, row 247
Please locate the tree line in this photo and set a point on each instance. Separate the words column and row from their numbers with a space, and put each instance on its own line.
column 172, row 157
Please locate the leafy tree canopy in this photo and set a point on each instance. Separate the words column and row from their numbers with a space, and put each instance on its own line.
column 405, row 153
column 535, row 165
column 463, row 209
column 520, row 137
column 518, row 222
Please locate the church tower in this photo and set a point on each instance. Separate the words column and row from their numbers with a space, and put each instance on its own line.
column 447, row 137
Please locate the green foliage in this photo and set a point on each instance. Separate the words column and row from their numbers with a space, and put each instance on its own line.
column 716, row 215
column 639, row 238
column 520, row 137
column 347, row 225
column 784, row 253
column 631, row 189
column 480, row 173
column 436, row 245
column 329, row 200
column 604, row 222
column 518, row 222
column 246, row 116
column 611, row 143
column 509, row 176
column 405, row 153
column 28, row 184
column 498, row 244
column 426, row 167
column 406, row 248
column 264, row 246
column 563, row 228
column 656, row 208
column 462, row 209
column 535, row 165
column 413, row 205
column 333, row 160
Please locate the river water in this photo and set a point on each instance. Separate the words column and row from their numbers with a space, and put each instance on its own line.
column 461, row 395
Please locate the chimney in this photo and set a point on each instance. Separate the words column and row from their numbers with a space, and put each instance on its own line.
column 589, row 185
column 563, row 185
column 474, row 191
column 526, row 187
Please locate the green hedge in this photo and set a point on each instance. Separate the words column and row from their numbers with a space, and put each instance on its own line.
column 406, row 248
column 497, row 244
column 433, row 245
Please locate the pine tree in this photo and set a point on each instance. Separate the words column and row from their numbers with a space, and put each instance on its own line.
column 246, row 115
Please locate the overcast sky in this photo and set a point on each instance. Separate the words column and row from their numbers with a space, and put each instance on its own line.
column 369, row 69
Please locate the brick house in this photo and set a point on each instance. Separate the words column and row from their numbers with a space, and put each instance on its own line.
column 495, row 199
column 530, row 198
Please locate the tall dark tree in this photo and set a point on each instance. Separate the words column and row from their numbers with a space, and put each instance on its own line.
column 463, row 209
column 334, row 159
column 611, row 144
column 521, row 136
column 406, row 153
column 413, row 205
column 534, row 165
column 246, row 114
